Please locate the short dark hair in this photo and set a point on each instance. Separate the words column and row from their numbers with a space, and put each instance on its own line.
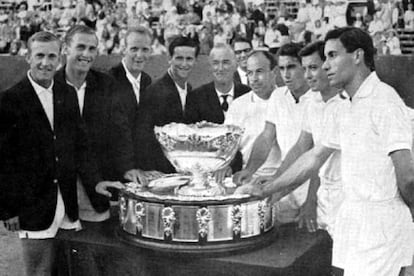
column 241, row 40
column 138, row 30
column 183, row 41
column 267, row 55
column 43, row 36
column 355, row 38
column 314, row 47
column 290, row 49
column 78, row 29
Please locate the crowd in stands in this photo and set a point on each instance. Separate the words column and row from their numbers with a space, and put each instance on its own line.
column 208, row 21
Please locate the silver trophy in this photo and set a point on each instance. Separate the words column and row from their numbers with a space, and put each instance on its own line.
column 199, row 149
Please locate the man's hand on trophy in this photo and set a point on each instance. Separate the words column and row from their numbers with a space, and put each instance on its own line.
column 220, row 175
column 250, row 189
column 261, row 180
column 136, row 175
column 151, row 175
column 103, row 186
column 242, row 177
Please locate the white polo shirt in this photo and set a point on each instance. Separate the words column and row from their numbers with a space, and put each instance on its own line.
column 249, row 112
column 314, row 123
column 374, row 232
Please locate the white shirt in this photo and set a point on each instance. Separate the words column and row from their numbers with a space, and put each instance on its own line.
column 372, row 216
column 249, row 112
column 243, row 76
column 230, row 96
column 182, row 92
column 80, row 93
column 314, row 123
column 60, row 219
column 135, row 82
column 286, row 115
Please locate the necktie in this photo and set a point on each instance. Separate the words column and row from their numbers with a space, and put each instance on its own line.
column 225, row 104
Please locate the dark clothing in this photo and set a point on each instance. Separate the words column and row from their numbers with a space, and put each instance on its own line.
column 134, row 113
column 36, row 159
column 236, row 77
column 107, row 129
column 162, row 105
column 204, row 104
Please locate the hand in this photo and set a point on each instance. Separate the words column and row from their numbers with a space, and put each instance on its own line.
column 250, row 189
column 12, row 224
column 220, row 175
column 102, row 187
column 307, row 216
column 242, row 177
column 136, row 175
column 263, row 180
column 153, row 174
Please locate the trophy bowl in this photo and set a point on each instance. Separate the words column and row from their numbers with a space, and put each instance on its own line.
column 199, row 149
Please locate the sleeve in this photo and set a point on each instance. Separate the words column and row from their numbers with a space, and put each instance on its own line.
column 271, row 112
column 331, row 122
column 306, row 126
column 394, row 126
column 10, row 178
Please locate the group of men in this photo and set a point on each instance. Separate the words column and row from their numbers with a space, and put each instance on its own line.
column 332, row 147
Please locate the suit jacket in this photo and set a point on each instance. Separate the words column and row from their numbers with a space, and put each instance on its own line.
column 134, row 113
column 162, row 105
column 107, row 129
column 36, row 159
column 236, row 77
column 204, row 105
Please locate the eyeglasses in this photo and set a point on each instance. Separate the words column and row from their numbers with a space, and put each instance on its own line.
column 246, row 51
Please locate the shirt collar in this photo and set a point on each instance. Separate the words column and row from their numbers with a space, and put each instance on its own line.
column 178, row 87
column 366, row 88
column 230, row 93
column 83, row 86
column 305, row 96
column 38, row 88
column 128, row 74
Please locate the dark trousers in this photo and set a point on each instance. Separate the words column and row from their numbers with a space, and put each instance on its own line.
column 39, row 256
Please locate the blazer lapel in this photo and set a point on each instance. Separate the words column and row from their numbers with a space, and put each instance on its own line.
column 174, row 96
column 214, row 103
column 34, row 106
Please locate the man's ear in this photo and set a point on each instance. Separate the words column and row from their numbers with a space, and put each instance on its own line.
column 359, row 56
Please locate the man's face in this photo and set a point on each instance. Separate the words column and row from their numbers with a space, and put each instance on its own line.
column 137, row 52
column 339, row 64
column 223, row 65
column 242, row 49
column 314, row 73
column 182, row 61
column 292, row 72
column 81, row 52
column 44, row 58
column 261, row 77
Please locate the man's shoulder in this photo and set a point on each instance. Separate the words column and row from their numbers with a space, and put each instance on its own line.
column 242, row 100
column 18, row 89
column 205, row 88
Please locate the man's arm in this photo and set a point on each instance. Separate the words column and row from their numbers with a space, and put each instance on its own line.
column 304, row 143
column 404, row 172
column 261, row 148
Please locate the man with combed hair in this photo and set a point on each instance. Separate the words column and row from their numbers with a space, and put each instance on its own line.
column 43, row 148
column 283, row 126
column 242, row 47
column 132, row 82
column 211, row 101
column 373, row 231
column 104, row 116
column 166, row 98
column 249, row 110
column 325, row 189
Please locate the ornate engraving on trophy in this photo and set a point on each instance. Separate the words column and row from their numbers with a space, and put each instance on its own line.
column 168, row 219
column 236, row 217
column 139, row 214
column 203, row 219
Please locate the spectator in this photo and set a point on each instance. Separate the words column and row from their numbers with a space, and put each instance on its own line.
column 158, row 48
column 376, row 25
column 409, row 17
column 393, row 43
column 272, row 38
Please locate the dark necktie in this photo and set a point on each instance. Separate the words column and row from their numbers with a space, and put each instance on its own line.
column 225, row 104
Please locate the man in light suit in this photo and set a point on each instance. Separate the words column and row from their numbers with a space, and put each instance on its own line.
column 43, row 148
column 211, row 101
column 165, row 100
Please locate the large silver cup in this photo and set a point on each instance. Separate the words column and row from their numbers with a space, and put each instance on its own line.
column 199, row 149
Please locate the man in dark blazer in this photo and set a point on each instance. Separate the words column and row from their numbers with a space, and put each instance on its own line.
column 104, row 116
column 242, row 47
column 132, row 82
column 211, row 101
column 43, row 148
column 165, row 99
